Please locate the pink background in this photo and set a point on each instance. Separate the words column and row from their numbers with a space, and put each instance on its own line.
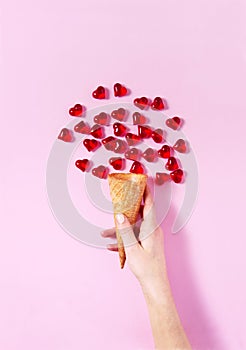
column 59, row 294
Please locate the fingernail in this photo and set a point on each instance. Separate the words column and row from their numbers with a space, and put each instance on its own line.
column 120, row 218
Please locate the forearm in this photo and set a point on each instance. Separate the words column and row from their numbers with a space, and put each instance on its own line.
column 167, row 329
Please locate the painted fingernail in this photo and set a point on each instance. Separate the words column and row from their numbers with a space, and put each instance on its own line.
column 120, row 218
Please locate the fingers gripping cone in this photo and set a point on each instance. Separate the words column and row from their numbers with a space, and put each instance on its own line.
column 126, row 190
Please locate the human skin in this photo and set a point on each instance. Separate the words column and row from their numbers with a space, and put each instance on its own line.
column 146, row 259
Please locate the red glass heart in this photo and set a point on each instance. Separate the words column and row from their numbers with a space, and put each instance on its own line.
column 138, row 118
column 101, row 171
column 82, row 128
column 120, row 146
column 144, row 131
column 161, row 178
column 133, row 154
column 137, row 168
column 76, row 111
column 180, row 146
column 177, row 175
column 66, row 135
column 119, row 129
column 141, row 102
column 99, row 93
column 109, row 143
column 119, row 114
column 164, row 152
column 91, row 144
column 82, row 164
column 102, row 118
column 117, row 163
column 132, row 139
column 97, row 131
column 119, row 90
column 157, row 135
column 171, row 164
column 173, row 123
column 157, row 104
column 149, row 155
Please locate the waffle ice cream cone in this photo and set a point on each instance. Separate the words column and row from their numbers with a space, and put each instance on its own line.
column 126, row 191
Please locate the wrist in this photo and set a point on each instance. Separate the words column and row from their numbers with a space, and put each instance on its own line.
column 156, row 289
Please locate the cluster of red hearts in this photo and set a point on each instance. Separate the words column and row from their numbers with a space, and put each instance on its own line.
column 123, row 141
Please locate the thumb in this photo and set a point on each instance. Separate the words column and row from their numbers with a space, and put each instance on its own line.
column 126, row 232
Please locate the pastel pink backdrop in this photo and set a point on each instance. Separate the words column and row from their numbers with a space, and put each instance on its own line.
column 58, row 294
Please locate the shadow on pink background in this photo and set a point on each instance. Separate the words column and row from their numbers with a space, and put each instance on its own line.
column 197, row 318
column 57, row 293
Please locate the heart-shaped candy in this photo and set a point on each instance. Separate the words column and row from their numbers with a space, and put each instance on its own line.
column 99, row 93
column 141, row 102
column 76, row 111
column 173, row 123
column 119, row 114
column 97, row 131
column 164, row 152
column 82, row 128
column 91, row 145
column 109, row 143
column 137, row 168
column 149, row 155
column 120, row 146
column 101, row 171
column 180, row 146
column 120, row 129
column 177, row 175
column 157, row 104
column 102, row 118
column 117, row 163
column 82, row 164
column 133, row 154
column 161, row 178
column 157, row 135
column 119, row 90
column 144, row 131
column 66, row 135
column 132, row 139
column 171, row 164
column 138, row 118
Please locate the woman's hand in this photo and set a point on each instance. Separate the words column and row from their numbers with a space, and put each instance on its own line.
column 145, row 251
